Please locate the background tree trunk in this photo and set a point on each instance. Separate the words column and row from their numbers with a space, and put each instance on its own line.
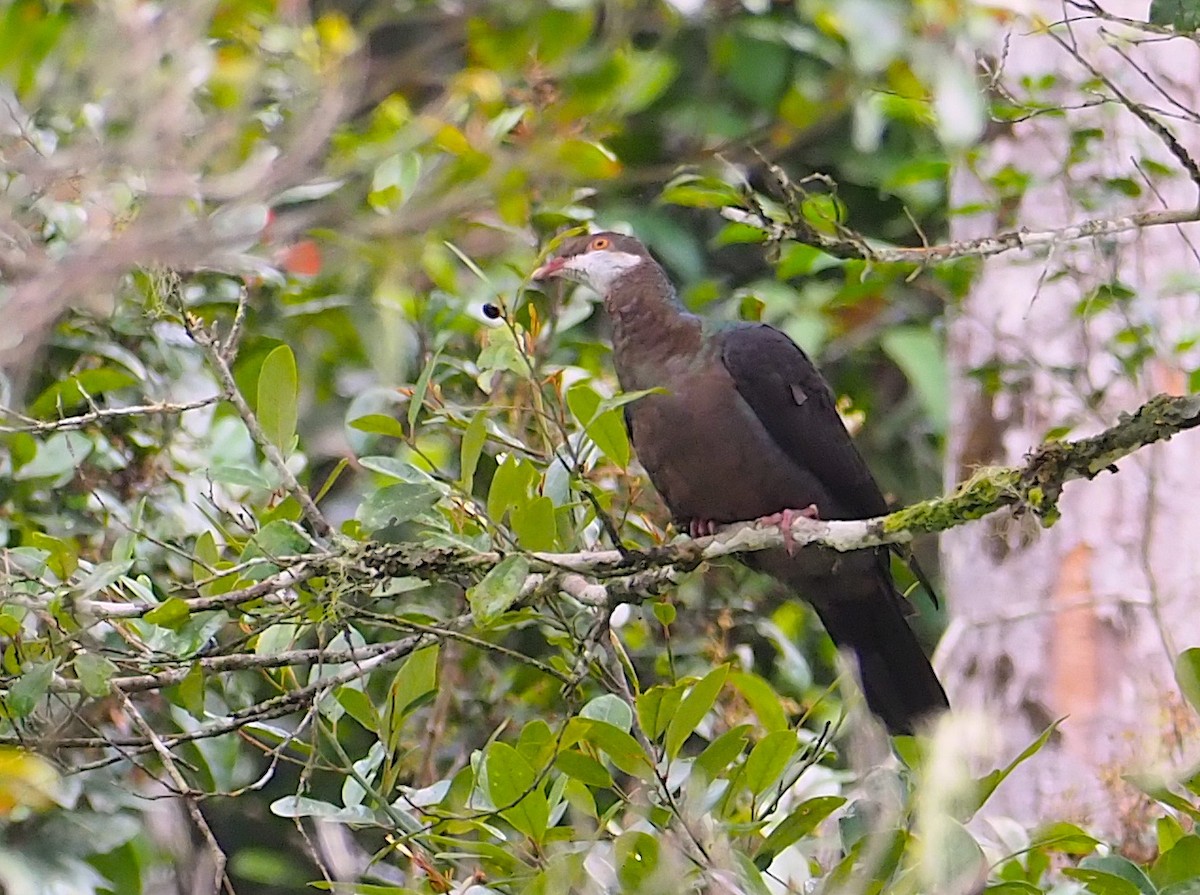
column 1083, row 619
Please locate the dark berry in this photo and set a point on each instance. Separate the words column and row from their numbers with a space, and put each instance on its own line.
column 492, row 312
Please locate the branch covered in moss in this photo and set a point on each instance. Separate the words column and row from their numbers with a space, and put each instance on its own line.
column 596, row 577
column 1034, row 486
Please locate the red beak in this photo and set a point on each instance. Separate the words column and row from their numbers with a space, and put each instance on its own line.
column 549, row 269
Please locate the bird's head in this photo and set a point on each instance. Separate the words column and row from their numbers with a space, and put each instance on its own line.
column 597, row 260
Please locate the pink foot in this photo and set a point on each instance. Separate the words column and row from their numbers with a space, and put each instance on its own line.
column 702, row 528
column 784, row 520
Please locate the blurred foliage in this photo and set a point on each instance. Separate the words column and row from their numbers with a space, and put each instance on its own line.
column 320, row 223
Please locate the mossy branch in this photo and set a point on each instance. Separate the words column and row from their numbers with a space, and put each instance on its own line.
column 610, row 576
column 1034, row 486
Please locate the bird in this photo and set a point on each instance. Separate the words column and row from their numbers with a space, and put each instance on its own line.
column 742, row 426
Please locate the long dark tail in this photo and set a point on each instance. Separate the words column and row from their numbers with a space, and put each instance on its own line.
column 897, row 679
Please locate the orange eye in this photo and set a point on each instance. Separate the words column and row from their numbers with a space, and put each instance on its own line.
column 599, row 244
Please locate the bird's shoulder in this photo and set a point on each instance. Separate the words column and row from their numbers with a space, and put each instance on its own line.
column 759, row 353
column 795, row 405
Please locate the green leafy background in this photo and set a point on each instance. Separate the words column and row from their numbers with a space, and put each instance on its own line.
column 421, row 159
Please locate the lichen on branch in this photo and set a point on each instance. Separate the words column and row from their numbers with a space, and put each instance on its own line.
column 1033, row 486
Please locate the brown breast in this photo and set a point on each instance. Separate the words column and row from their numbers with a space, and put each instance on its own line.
column 709, row 456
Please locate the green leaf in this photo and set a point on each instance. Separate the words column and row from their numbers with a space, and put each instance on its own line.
column 536, row 743
column 470, row 264
column 918, row 351
column 417, row 401
column 637, row 856
column 512, row 788
column 275, row 539
column 755, row 69
column 587, row 159
column 499, row 589
column 353, row 792
column 94, row 672
column 664, row 612
column 275, row 639
column 611, row 709
column 987, row 784
column 501, row 353
column 718, row 754
column 1187, row 675
column 393, row 181
column 798, row 260
column 606, row 428
column 240, row 476
column 359, row 707
column 762, row 698
column 70, row 393
column 656, row 707
column 472, row 446
column 768, row 758
column 278, row 392
column 29, row 689
column 396, row 504
column 104, row 575
column 359, row 888
column 1182, row 15
column 648, row 76
column 57, row 457
column 301, row 806
column 619, row 400
column 1169, row 831
column 1161, row 792
column 583, row 768
column 510, row 486
column 172, row 614
column 1063, row 837
column 1120, row 868
column 1179, row 864
column 693, row 708
column 1100, row 883
column 207, row 554
column 416, row 677
column 191, row 691
column 379, row 424
column 696, row 191
column 953, row 860
column 622, row 749
column 63, row 555
column 535, row 525
column 749, row 875
column 800, row 822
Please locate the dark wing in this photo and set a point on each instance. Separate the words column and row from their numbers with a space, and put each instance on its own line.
column 795, row 405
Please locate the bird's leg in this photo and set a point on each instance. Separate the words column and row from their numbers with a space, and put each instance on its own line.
column 702, row 528
column 784, row 520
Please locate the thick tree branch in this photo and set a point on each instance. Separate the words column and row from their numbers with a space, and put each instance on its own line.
column 1035, row 485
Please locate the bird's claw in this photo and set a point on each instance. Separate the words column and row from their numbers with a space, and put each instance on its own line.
column 702, row 528
column 784, row 519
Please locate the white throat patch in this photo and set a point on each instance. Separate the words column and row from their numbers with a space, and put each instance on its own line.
column 600, row 270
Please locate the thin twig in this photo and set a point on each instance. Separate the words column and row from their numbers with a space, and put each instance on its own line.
column 40, row 427
column 185, row 792
column 200, row 335
column 983, row 247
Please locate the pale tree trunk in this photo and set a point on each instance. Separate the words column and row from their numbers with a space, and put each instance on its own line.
column 1083, row 619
